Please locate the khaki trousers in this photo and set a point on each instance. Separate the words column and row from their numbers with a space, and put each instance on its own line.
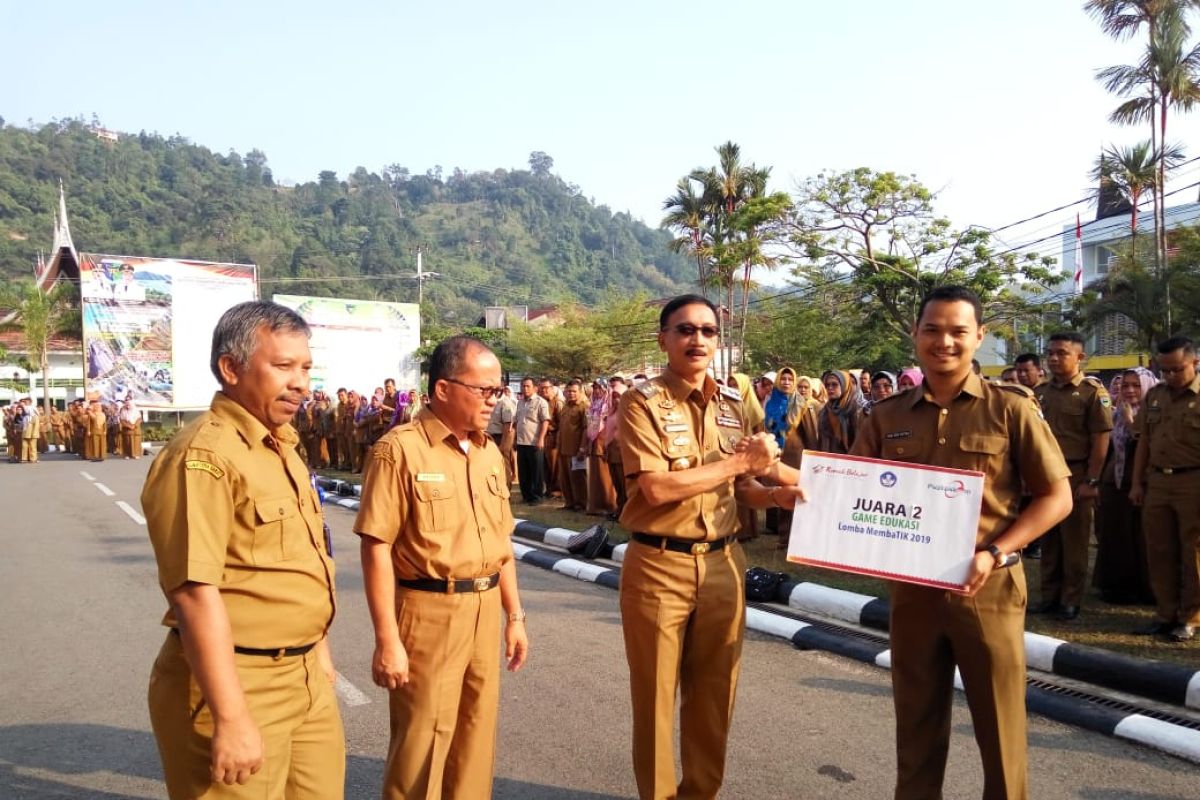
column 96, row 446
column 933, row 630
column 295, row 710
column 616, row 473
column 29, row 451
column 572, row 483
column 1065, row 550
column 1171, row 523
column 443, row 721
column 684, row 620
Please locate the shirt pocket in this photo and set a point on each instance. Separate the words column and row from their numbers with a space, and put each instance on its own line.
column 436, row 506
column 279, row 530
column 978, row 450
column 909, row 449
column 496, row 485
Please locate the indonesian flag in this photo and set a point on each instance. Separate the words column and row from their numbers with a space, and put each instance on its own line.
column 1078, row 256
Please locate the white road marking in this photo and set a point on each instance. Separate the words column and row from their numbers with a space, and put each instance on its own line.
column 107, row 491
column 349, row 693
column 87, row 475
column 128, row 509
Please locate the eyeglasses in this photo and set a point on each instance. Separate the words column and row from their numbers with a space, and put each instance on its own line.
column 686, row 330
column 484, row 392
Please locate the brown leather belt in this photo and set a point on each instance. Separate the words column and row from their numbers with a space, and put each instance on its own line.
column 682, row 545
column 450, row 587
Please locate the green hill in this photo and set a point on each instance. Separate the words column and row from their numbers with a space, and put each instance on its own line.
column 497, row 238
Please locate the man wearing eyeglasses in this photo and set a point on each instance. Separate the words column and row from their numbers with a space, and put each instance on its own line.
column 688, row 461
column 434, row 526
column 1166, row 482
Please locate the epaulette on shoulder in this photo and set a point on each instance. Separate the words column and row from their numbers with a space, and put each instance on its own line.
column 890, row 397
column 1094, row 381
column 1015, row 388
column 730, row 393
column 649, row 388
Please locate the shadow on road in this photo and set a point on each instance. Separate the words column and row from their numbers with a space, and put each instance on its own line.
column 73, row 751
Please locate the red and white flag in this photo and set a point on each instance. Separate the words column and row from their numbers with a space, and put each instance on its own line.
column 1078, row 256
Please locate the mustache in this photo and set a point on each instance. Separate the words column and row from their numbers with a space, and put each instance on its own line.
column 294, row 399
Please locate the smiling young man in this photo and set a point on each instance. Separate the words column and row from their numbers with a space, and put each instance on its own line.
column 1079, row 413
column 241, row 695
column 435, row 528
column 688, row 460
column 955, row 419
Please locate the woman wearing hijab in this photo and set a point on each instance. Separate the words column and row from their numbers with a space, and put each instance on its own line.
column 883, row 385
column 602, row 497
column 752, row 413
column 814, row 389
column 130, row 418
column 837, row 424
column 779, row 404
column 801, row 434
column 909, row 378
column 1121, row 572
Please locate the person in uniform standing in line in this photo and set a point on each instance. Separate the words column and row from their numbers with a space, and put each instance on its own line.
column 241, row 694
column 1166, row 483
column 1079, row 412
column 97, row 428
column 530, row 421
column 548, row 391
column 131, row 429
column 572, row 441
column 955, row 419
column 31, row 429
column 688, row 461
column 79, row 425
column 435, row 528
column 611, row 435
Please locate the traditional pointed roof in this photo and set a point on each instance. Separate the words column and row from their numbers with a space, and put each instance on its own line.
column 64, row 259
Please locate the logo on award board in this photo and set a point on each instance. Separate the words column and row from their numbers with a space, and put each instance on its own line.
column 950, row 489
column 887, row 479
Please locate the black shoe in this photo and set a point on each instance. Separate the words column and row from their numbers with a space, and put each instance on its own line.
column 1155, row 628
column 1182, row 633
column 1044, row 607
column 1066, row 613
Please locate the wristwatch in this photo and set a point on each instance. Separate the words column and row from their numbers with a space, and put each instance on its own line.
column 999, row 555
column 1093, row 482
column 517, row 616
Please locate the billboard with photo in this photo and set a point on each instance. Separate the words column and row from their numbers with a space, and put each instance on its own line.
column 356, row 344
column 148, row 322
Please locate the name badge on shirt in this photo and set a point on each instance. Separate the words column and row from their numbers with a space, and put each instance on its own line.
column 675, row 427
column 431, row 477
column 729, row 422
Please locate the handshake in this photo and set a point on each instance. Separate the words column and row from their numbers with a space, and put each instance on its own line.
column 761, row 451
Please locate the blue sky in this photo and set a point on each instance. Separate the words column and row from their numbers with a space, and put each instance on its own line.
column 993, row 105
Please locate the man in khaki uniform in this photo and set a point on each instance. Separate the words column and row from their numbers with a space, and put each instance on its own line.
column 549, row 392
column 97, row 431
column 1166, row 482
column 955, row 419
column 571, row 443
column 241, row 694
column 344, row 425
column 1079, row 412
column 79, row 437
column 682, row 597
column 435, row 526
column 31, row 429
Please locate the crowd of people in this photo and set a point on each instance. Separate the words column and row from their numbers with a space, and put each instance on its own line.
column 338, row 432
column 92, row 430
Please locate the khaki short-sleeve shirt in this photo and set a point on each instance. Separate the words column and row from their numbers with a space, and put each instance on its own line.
column 229, row 504
column 996, row 429
column 1076, row 410
column 665, row 425
column 445, row 512
column 572, row 427
column 1170, row 424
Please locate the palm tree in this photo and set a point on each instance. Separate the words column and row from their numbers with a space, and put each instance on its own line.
column 40, row 315
column 1131, row 171
column 686, row 214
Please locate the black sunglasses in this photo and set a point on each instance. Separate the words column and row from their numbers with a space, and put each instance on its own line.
column 686, row 330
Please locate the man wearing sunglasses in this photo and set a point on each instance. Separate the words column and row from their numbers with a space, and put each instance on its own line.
column 434, row 526
column 687, row 461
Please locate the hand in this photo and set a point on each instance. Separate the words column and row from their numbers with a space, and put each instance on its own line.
column 237, row 750
column 1086, row 492
column 389, row 665
column 981, row 567
column 1137, row 493
column 516, row 645
column 761, row 452
column 787, row 497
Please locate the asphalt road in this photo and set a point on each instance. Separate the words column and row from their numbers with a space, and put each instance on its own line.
column 79, row 629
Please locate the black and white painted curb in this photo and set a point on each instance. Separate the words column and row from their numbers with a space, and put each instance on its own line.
column 1168, row 683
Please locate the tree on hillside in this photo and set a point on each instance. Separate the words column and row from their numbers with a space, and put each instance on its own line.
column 880, row 230
column 540, row 164
column 618, row 335
column 41, row 315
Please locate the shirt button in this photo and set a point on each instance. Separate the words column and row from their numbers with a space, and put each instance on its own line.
column 941, row 441
column 945, row 411
column 475, row 495
column 281, row 510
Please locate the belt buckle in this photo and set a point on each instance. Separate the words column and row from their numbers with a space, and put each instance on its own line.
column 1167, row 471
column 700, row 548
column 482, row 584
column 280, row 654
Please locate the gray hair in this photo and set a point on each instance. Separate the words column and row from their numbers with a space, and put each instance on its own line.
column 236, row 334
